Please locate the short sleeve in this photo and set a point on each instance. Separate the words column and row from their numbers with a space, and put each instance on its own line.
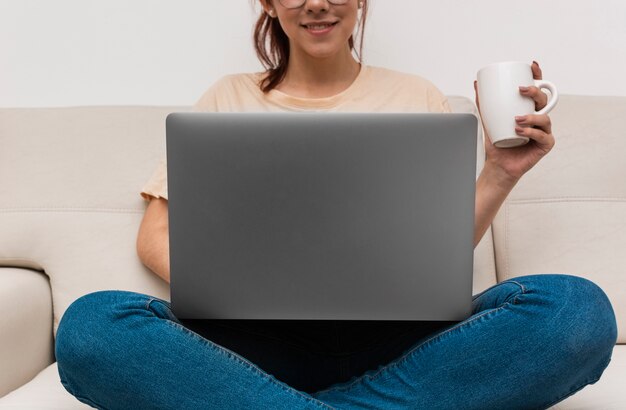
column 156, row 187
column 437, row 101
column 445, row 106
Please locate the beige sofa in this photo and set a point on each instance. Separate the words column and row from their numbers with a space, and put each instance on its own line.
column 70, row 209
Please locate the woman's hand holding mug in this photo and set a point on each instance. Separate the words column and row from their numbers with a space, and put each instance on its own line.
column 514, row 116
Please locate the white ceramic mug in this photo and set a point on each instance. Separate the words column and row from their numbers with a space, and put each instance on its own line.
column 500, row 100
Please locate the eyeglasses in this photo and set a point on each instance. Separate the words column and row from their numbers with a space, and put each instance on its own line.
column 294, row 4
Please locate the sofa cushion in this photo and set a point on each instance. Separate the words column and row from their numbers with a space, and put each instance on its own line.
column 45, row 391
column 26, row 344
column 607, row 393
column 69, row 195
column 568, row 213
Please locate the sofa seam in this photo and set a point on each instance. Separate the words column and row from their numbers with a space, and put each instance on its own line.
column 18, row 259
column 70, row 209
column 566, row 199
column 494, row 254
column 506, row 240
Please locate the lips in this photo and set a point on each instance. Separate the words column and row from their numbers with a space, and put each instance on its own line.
column 319, row 25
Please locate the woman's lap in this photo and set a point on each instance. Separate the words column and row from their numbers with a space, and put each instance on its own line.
column 519, row 340
column 336, row 352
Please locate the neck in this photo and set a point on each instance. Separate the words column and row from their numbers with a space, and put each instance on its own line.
column 312, row 77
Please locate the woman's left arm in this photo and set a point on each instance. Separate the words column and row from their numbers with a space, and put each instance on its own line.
column 505, row 166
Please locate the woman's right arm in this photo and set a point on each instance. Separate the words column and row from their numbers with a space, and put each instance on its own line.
column 153, row 239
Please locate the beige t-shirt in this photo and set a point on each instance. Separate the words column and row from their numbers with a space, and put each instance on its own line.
column 375, row 89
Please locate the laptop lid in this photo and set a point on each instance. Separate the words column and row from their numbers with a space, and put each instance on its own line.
column 324, row 216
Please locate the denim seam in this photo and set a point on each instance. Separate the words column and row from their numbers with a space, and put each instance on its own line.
column 222, row 349
column 517, row 283
column 404, row 357
column 73, row 393
column 578, row 388
column 152, row 299
column 249, row 365
column 500, row 283
column 163, row 302
column 90, row 402
column 514, row 302
column 64, row 382
column 147, row 307
column 237, row 357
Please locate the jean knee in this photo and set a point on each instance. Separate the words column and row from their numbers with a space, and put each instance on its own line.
column 599, row 311
column 571, row 303
column 78, row 345
column 68, row 347
column 587, row 314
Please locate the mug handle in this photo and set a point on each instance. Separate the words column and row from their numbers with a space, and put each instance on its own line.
column 553, row 99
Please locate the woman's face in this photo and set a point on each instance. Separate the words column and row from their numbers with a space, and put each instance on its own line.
column 320, row 43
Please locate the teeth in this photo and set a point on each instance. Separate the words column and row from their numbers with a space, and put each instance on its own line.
column 319, row 27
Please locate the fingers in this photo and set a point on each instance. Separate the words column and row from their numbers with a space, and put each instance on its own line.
column 534, row 122
column 542, row 122
column 540, row 98
column 543, row 139
column 537, row 128
column 537, row 74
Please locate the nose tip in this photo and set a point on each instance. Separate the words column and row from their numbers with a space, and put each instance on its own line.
column 316, row 5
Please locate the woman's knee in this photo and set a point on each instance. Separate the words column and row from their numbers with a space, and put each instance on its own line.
column 581, row 315
column 595, row 313
column 81, row 335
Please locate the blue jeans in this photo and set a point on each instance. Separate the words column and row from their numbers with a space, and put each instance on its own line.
column 530, row 342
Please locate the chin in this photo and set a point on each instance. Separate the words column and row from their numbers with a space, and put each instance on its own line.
column 323, row 51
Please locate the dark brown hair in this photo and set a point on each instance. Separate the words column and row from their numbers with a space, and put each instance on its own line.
column 272, row 46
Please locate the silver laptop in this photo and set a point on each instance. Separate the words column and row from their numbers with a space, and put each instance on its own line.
column 321, row 216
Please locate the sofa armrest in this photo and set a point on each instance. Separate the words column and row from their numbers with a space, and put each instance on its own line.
column 26, row 342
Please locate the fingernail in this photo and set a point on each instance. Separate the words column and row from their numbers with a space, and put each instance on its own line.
column 534, row 62
column 518, row 129
column 521, row 87
column 520, row 118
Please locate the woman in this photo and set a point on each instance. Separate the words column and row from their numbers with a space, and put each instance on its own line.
column 530, row 342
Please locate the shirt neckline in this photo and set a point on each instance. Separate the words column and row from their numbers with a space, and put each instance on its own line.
column 332, row 101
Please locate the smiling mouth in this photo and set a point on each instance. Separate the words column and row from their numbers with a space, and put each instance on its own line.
column 319, row 27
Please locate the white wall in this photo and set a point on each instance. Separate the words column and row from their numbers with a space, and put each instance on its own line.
column 157, row 52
